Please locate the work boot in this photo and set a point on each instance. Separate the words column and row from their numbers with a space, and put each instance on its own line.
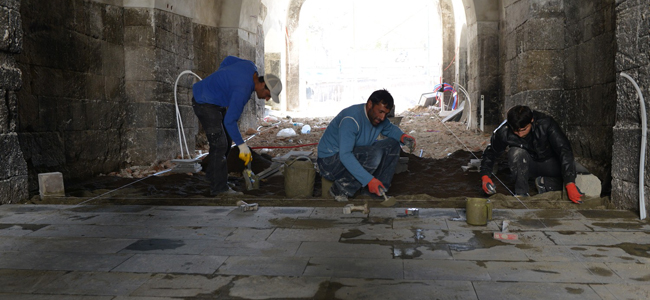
column 339, row 198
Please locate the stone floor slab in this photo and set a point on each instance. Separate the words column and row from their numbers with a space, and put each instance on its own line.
column 269, row 266
column 95, row 283
column 439, row 270
column 621, row 291
column 578, row 238
column 182, row 285
column 164, row 263
column 26, row 281
column 336, row 249
column 488, row 290
column 55, row 261
column 496, row 253
column 355, row 268
column 559, row 272
column 267, row 287
column 252, row 248
column 304, row 235
column 353, row 289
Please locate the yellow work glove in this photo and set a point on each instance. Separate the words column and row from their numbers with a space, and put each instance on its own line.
column 245, row 153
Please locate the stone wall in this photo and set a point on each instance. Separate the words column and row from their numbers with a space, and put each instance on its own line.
column 589, row 84
column 633, row 58
column 72, row 106
column 559, row 60
column 158, row 46
column 13, row 169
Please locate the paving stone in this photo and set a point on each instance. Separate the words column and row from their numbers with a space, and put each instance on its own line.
column 61, row 261
column 606, row 254
column 252, row 248
column 439, row 270
column 352, row 288
column 374, row 233
column 134, row 231
column 547, row 225
column 565, row 272
column 632, row 237
column 618, row 225
column 181, row 285
column 249, row 234
column 26, row 281
column 95, row 283
column 549, row 253
column 270, row 266
column 4, row 296
column 522, row 290
column 276, row 287
column 85, row 245
column 354, row 268
column 19, row 229
column 572, row 238
column 320, row 235
column 635, row 273
column 498, row 253
column 616, row 291
column 167, row 246
column 421, row 222
column 421, row 251
column 164, row 263
column 336, row 249
column 462, row 225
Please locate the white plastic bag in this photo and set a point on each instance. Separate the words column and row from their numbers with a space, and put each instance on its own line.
column 287, row 132
column 305, row 129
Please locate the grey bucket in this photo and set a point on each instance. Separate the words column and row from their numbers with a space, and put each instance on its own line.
column 299, row 177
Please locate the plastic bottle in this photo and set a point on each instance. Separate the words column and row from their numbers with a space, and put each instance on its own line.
column 305, row 129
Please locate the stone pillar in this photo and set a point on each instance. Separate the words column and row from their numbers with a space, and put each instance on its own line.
column 632, row 40
column 13, row 169
column 158, row 46
column 448, row 40
column 292, row 85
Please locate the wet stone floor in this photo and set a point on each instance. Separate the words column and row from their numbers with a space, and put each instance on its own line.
column 220, row 252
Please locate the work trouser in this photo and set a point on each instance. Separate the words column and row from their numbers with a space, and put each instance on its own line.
column 523, row 167
column 379, row 159
column 211, row 117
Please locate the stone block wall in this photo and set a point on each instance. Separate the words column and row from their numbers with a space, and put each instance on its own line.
column 13, row 169
column 71, row 107
column 589, row 84
column 633, row 58
column 559, row 60
column 158, row 46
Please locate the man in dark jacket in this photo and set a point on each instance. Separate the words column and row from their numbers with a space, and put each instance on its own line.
column 537, row 149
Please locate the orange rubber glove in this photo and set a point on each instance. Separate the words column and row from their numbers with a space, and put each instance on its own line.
column 373, row 186
column 408, row 141
column 574, row 193
column 488, row 185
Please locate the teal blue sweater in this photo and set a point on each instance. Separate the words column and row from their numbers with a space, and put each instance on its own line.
column 349, row 129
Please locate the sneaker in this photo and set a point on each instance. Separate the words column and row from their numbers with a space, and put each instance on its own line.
column 539, row 184
column 339, row 198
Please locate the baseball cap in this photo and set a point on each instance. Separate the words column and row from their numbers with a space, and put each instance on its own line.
column 274, row 85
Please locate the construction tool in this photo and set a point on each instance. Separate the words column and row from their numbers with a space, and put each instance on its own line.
column 191, row 165
column 243, row 206
column 388, row 202
column 504, row 234
column 252, row 181
column 491, row 189
column 409, row 142
column 348, row 209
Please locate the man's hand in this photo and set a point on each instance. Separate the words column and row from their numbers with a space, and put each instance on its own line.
column 245, row 153
column 574, row 193
column 408, row 141
column 488, row 185
column 373, row 186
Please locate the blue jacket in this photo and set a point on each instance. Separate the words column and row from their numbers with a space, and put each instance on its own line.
column 349, row 129
column 230, row 86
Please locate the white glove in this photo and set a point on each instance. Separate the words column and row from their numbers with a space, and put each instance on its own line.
column 245, row 153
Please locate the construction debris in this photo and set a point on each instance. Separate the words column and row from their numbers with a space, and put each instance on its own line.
column 348, row 209
column 243, row 206
column 504, row 234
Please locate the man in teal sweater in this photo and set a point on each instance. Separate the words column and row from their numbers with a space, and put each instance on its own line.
column 349, row 153
column 218, row 102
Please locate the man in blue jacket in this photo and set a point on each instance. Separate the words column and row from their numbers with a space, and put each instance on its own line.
column 349, row 153
column 218, row 102
column 538, row 149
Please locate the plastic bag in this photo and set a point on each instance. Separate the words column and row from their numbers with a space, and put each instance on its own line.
column 287, row 132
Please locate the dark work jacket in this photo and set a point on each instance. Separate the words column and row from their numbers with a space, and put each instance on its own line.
column 547, row 141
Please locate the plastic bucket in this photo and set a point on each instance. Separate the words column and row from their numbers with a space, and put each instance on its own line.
column 478, row 211
column 299, row 177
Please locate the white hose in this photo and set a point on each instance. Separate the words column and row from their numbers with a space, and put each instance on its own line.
column 179, row 120
column 469, row 101
column 644, row 130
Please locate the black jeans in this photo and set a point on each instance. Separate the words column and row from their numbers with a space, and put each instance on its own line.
column 211, row 117
column 379, row 159
column 523, row 167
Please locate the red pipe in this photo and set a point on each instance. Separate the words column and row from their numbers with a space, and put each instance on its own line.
column 280, row 147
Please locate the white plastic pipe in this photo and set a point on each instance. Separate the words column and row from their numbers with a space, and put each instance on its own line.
column 644, row 130
column 469, row 108
column 179, row 120
column 482, row 111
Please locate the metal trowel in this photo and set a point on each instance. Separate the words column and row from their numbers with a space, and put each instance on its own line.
column 388, row 202
column 252, row 181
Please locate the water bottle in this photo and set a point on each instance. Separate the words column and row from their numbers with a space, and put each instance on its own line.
column 306, row 129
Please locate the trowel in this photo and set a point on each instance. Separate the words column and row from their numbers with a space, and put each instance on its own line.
column 252, row 181
column 388, row 202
